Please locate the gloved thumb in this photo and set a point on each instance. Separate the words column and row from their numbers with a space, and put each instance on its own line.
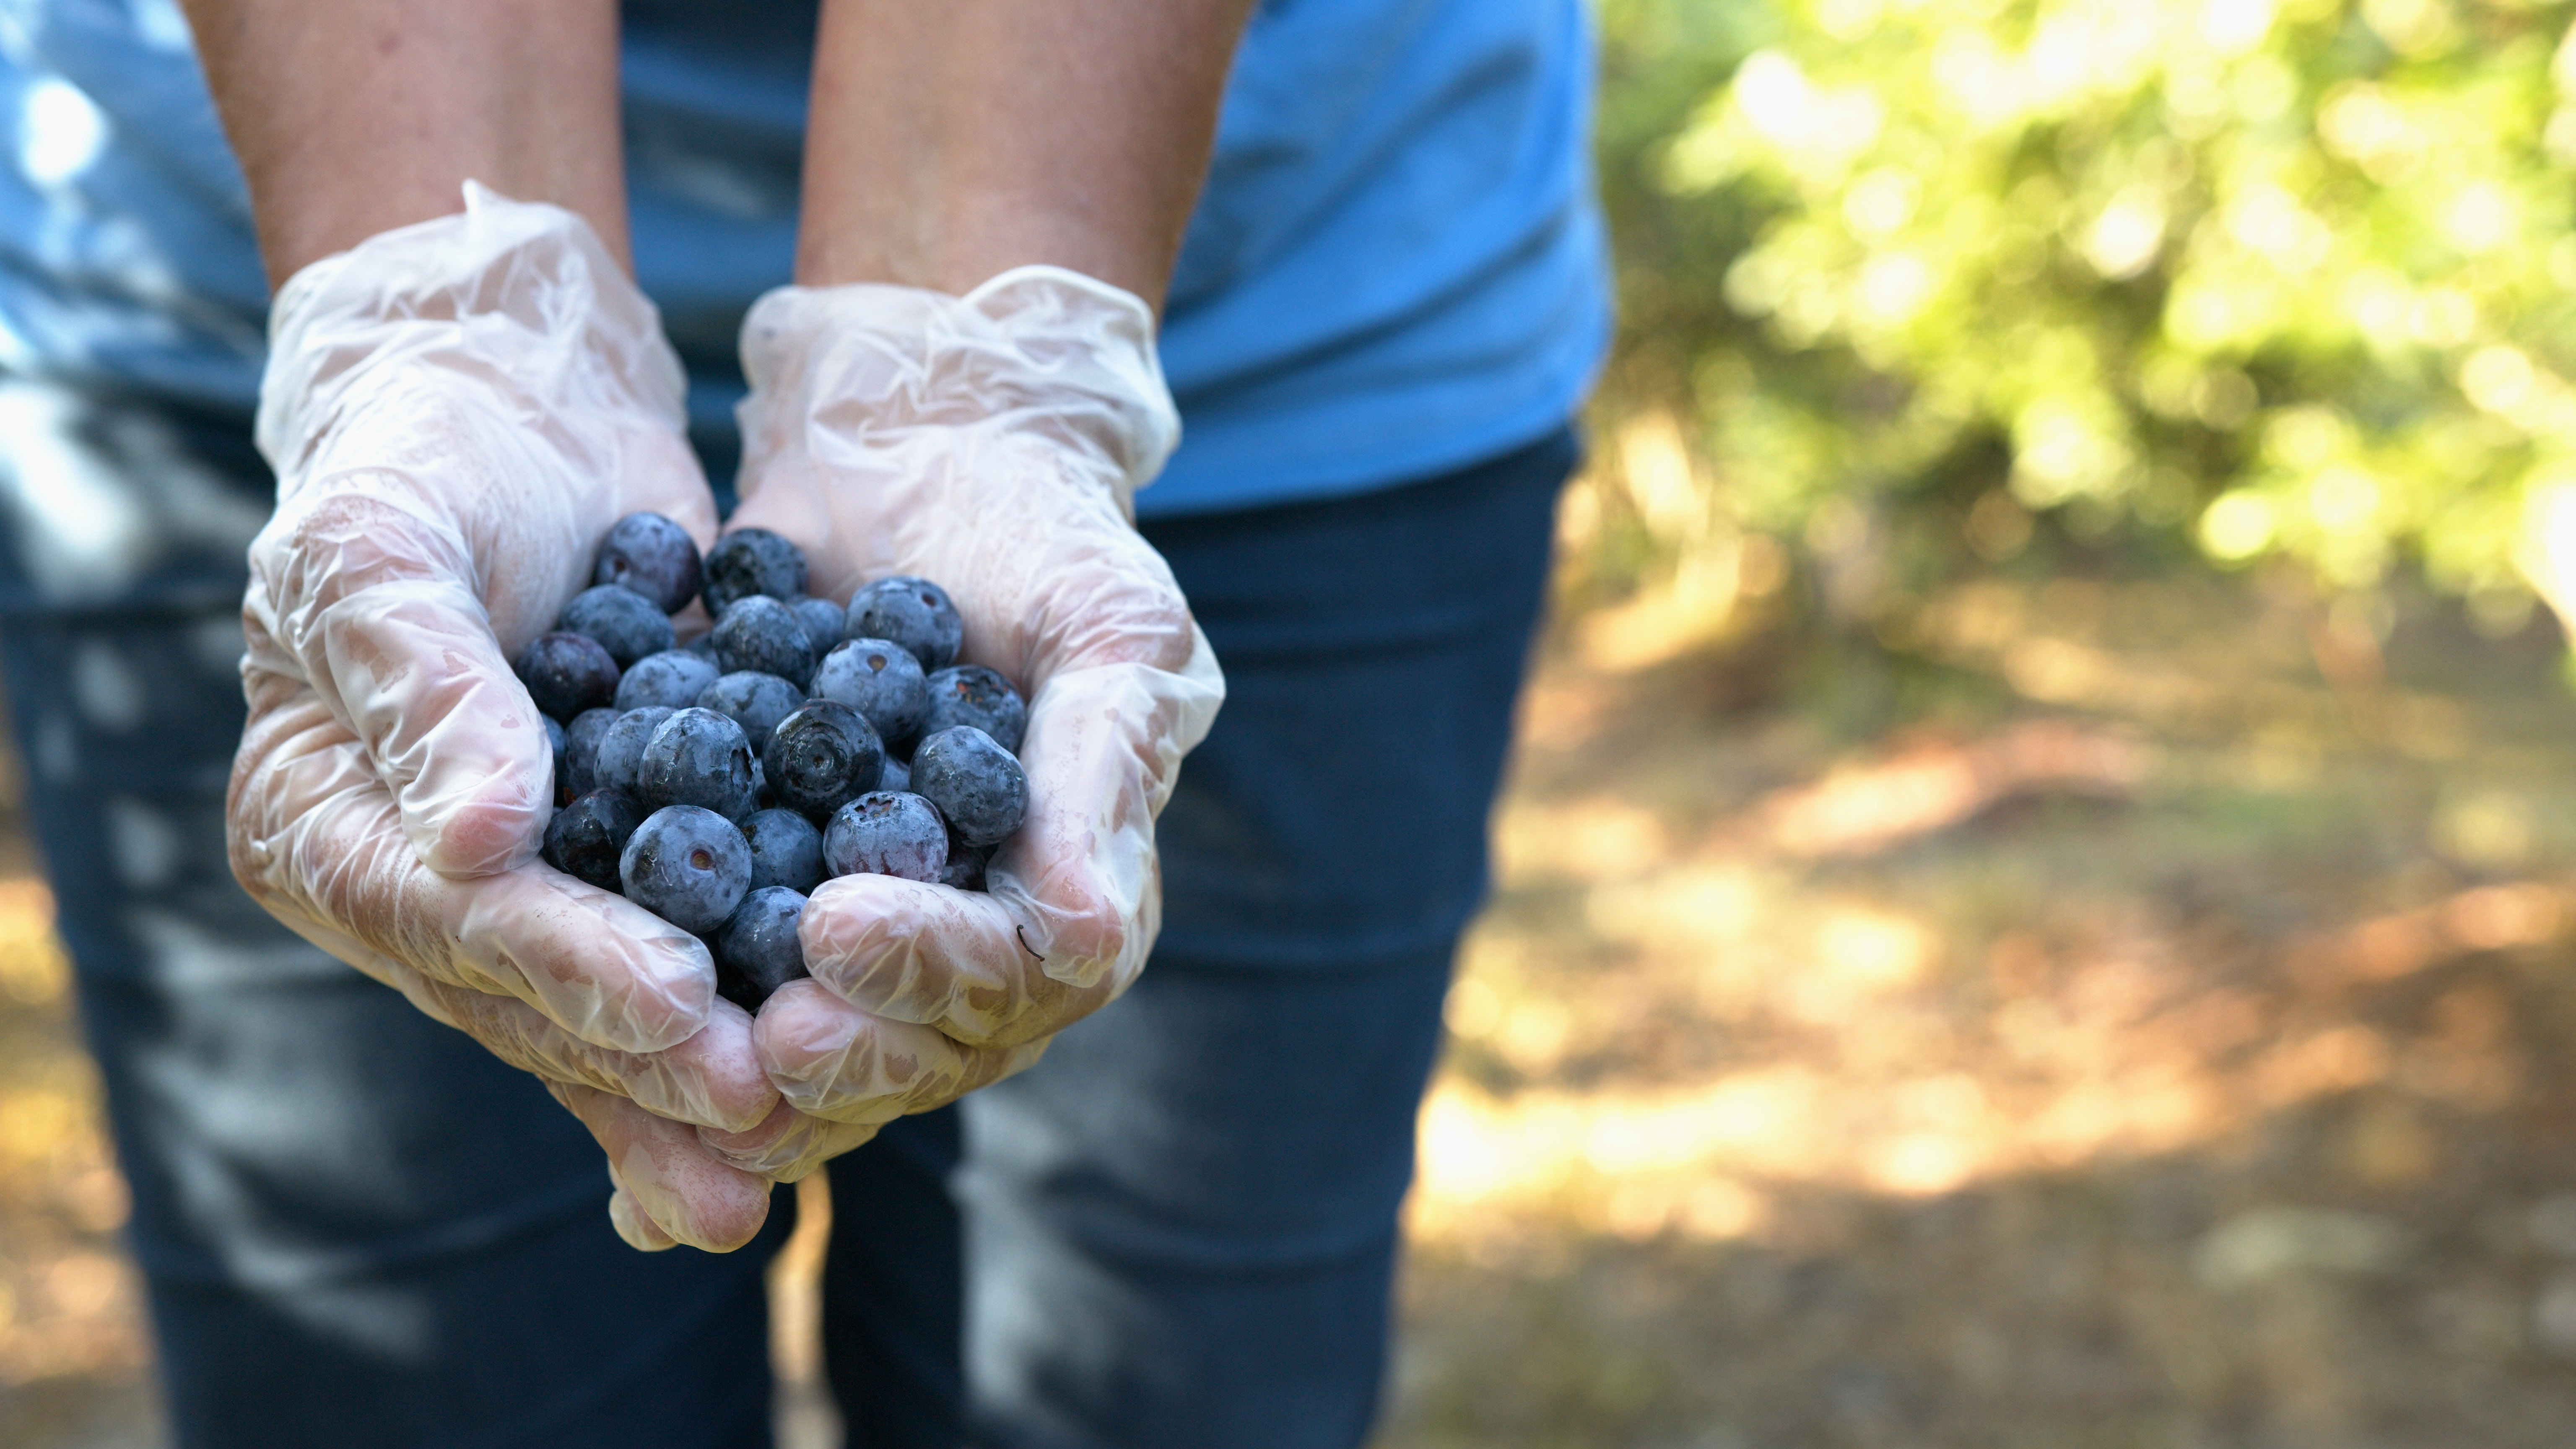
column 456, row 410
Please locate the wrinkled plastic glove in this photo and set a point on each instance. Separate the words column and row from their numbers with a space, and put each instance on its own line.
column 990, row 443
column 456, row 412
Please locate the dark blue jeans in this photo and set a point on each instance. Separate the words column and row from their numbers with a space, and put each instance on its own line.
column 1179, row 1229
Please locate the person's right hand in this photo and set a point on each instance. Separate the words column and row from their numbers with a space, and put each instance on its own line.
column 457, row 411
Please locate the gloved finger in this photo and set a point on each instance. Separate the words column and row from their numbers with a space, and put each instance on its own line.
column 369, row 587
column 960, row 962
column 672, row 1178
column 1102, row 595
column 314, row 835
column 789, row 1145
column 1073, row 898
column 640, row 1232
column 712, row 1080
column 829, row 1059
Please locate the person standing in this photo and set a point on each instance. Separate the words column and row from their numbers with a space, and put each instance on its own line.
column 969, row 276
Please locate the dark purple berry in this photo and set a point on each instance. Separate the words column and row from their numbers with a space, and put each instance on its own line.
column 786, row 850
column 965, row 868
column 689, row 866
column 652, row 556
column 555, row 743
column 895, row 775
column 617, row 763
column 755, row 701
column 825, row 622
column 567, row 673
column 762, row 635
column 624, row 622
column 880, row 679
column 578, row 774
column 912, row 612
column 821, row 757
column 978, row 786
column 698, row 757
column 883, row 833
column 756, row 948
column 672, row 679
column 587, row 836
column 751, row 561
column 971, row 694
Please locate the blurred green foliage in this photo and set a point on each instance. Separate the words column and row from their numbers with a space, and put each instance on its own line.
column 2273, row 279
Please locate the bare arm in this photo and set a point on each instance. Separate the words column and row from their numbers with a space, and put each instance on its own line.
column 954, row 139
column 355, row 116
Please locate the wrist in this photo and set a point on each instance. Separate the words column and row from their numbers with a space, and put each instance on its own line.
column 1035, row 350
column 518, row 287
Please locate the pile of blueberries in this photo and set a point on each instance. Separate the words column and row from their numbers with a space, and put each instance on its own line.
column 716, row 784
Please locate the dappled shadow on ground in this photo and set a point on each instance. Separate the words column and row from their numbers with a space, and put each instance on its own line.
column 2091, row 1015
column 2163, row 1034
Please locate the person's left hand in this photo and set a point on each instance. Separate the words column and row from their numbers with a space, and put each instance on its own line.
column 989, row 443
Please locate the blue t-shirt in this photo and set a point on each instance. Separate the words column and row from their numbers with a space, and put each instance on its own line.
column 1396, row 267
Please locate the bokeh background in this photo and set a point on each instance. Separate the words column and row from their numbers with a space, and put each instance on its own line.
column 2037, row 894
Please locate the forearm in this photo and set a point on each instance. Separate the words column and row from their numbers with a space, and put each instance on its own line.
column 351, row 117
column 953, row 140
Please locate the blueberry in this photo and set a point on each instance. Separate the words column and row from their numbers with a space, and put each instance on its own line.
column 703, row 646
column 672, row 679
column 755, row 701
column 688, row 866
column 821, row 756
column 914, row 613
column 577, row 773
column 555, row 746
column 883, row 833
column 971, row 694
column 786, row 850
column 652, row 556
column 616, row 763
column 965, row 868
column 824, row 621
column 756, row 949
column 752, row 561
column 760, row 633
column 624, row 622
column 977, row 785
column 698, row 757
column 880, row 679
column 586, row 837
column 895, row 775
column 566, row 674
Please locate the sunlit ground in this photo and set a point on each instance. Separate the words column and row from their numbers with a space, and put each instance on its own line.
column 2160, row 1038
column 73, row 1352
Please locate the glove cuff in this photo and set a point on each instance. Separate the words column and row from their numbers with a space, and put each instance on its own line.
column 1037, row 349
column 523, row 288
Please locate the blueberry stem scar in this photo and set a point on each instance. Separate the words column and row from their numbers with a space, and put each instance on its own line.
column 1022, row 933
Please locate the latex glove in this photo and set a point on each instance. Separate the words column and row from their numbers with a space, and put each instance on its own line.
column 457, row 411
column 989, row 443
